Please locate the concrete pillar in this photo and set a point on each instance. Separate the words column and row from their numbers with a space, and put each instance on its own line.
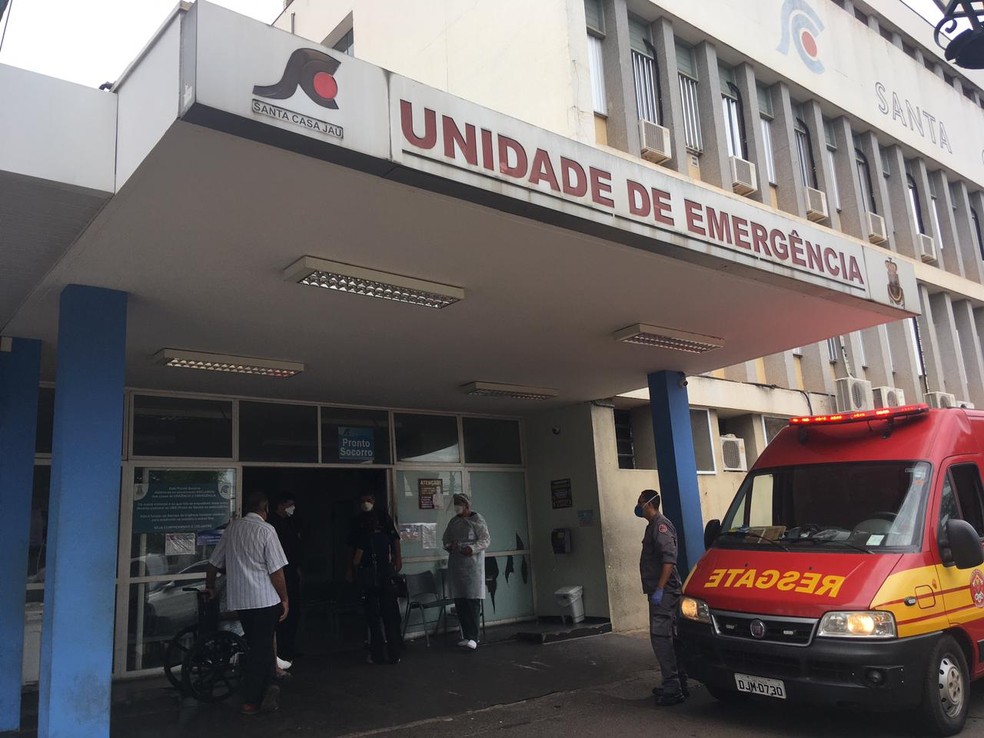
column 902, row 225
column 954, row 376
column 751, row 119
column 715, row 167
column 970, row 351
column 80, row 589
column 947, row 238
column 780, row 370
column 817, row 376
column 669, row 81
column 884, row 206
column 853, row 218
column 623, row 133
column 788, row 176
column 966, row 232
column 20, row 369
column 825, row 176
column 930, row 345
column 676, row 464
column 878, row 355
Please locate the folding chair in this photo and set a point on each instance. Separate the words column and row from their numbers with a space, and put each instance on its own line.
column 423, row 595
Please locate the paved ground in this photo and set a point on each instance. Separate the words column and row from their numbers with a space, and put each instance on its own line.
column 597, row 686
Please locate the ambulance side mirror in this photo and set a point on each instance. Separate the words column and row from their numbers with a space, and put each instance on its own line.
column 964, row 545
column 711, row 531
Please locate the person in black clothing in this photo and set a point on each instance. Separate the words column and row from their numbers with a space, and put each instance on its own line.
column 288, row 531
column 376, row 560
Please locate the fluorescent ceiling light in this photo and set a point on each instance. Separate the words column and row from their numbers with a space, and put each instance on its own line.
column 358, row 280
column 495, row 389
column 224, row 363
column 668, row 338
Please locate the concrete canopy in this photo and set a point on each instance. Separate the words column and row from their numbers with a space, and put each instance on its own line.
column 201, row 232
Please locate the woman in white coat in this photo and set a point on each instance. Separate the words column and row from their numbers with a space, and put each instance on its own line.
column 465, row 540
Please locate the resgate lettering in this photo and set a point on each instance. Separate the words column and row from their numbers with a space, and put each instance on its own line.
column 809, row 582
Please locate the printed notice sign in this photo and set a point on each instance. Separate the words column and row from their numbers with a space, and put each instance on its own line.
column 560, row 493
column 427, row 490
column 162, row 507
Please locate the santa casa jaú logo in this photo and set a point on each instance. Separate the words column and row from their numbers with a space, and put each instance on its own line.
column 977, row 588
column 800, row 28
column 314, row 72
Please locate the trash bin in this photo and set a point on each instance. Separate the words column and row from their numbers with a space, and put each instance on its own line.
column 31, row 664
column 571, row 597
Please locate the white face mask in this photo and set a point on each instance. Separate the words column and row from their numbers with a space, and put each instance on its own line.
column 366, row 507
column 289, row 510
column 458, row 509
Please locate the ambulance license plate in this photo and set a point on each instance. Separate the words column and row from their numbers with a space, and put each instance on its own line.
column 761, row 685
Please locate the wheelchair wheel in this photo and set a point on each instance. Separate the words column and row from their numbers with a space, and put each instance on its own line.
column 177, row 649
column 213, row 668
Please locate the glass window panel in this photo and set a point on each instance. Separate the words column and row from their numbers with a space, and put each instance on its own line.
column 427, row 438
column 421, row 529
column 353, row 436
column 490, row 441
column 638, row 36
column 274, row 432
column 700, row 426
column 178, row 517
column 37, row 540
column 46, row 420
column 765, row 101
column 685, row 60
column 182, row 426
column 645, row 81
column 596, row 64
column 772, row 425
column 770, row 159
column 593, row 16
column 500, row 498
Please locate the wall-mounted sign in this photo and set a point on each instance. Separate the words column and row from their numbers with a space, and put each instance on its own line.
column 560, row 493
column 356, row 444
column 163, row 507
column 427, row 490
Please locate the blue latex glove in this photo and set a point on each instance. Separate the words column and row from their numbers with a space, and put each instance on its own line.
column 656, row 597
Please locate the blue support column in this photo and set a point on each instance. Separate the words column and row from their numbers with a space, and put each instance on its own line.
column 679, row 492
column 80, row 576
column 20, row 372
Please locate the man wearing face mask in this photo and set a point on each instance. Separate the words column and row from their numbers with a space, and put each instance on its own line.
column 289, row 533
column 662, row 585
column 375, row 560
column 465, row 539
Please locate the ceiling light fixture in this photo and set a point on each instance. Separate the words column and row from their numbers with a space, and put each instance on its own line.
column 518, row 391
column 224, row 363
column 361, row 281
column 668, row 338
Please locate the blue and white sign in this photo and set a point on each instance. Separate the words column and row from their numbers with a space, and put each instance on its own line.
column 356, row 444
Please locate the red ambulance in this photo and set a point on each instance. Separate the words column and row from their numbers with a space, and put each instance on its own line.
column 848, row 568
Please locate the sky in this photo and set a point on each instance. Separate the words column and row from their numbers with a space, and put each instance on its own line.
column 93, row 41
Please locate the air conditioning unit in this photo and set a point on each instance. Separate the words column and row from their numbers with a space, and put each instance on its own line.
column 876, row 228
column 964, row 405
column 733, row 453
column 816, row 204
column 655, row 142
column 926, row 247
column 743, row 179
column 888, row 397
column 940, row 399
column 854, row 394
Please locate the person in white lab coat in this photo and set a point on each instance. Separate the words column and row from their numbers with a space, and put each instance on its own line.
column 465, row 540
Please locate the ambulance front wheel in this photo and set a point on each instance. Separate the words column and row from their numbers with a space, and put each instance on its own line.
column 946, row 694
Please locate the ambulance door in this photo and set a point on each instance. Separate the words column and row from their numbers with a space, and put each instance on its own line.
column 963, row 589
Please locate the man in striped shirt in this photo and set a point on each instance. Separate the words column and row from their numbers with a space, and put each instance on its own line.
column 250, row 553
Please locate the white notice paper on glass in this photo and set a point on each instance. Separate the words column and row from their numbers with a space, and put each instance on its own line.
column 428, row 535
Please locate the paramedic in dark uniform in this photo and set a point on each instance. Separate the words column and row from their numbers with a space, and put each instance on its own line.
column 662, row 585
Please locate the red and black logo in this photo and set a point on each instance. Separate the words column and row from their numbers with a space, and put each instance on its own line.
column 313, row 71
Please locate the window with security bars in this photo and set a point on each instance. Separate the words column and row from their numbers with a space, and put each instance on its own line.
column 731, row 107
column 830, row 152
column 864, row 181
column 804, row 150
column 766, row 117
column 595, row 21
column 644, row 72
column 624, row 445
column 688, row 92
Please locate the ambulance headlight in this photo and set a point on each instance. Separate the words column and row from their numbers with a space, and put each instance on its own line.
column 694, row 609
column 858, row 624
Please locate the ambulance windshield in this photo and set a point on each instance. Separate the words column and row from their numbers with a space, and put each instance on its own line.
column 871, row 506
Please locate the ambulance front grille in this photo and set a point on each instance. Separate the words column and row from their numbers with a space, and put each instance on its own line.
column 765, row 629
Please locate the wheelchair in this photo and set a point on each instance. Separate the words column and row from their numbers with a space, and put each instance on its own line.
column 203, row 661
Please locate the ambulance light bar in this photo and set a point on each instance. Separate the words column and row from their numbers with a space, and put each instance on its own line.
column 882, row 413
